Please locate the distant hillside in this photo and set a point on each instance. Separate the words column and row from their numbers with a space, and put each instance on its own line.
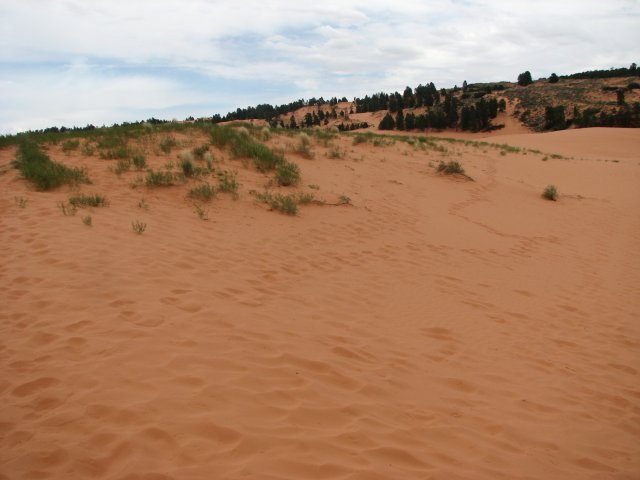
column 609, row 98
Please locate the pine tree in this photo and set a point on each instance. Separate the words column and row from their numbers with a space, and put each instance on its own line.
column 400, row 120
column 387, row 123
column 525, row 79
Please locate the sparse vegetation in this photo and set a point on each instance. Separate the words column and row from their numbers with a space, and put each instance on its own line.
column 167, row 144
column 44, row 173
column 87, row 220
column 450, row 168
column 304, row 146
column 287, row 173
column 159, row 179
column 204, row 192
column 138, row 227
column 83, row 200
column 69, row 145
column 139, row 161
column 201, row 212
column 67, row 211
column 143, row 204
column 20, row 202
column 123, row 165
column 227, row 183
column 550, row 193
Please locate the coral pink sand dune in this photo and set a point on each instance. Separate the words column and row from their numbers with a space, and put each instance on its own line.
column 437, row 328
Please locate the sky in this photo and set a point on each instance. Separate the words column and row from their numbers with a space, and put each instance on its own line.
column 75, row 62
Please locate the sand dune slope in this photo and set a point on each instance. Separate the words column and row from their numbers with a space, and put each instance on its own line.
column 436, row 328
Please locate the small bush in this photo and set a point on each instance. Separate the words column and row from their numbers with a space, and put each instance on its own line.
column 187, row 167
column 284, row 203
column 45, row 174
column 227, row 183
column 287, row 173
column 550, row 193
column 139, row 162
column 123, row 165
column 88, row 200
column 138, row 227
column 450, row 168
column 159, row 179
column 199, row 152
column 69, row 145
column 304, row 146
column 167, row 144
column 222, row 135
column 204, row 192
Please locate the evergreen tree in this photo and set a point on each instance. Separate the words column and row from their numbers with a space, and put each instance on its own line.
column 410, row 121
column 553, row 78
column 400, row 120
column 387, row 123
column 525, row 79
column 554, row 118
column 292, row 122
column 620, row 94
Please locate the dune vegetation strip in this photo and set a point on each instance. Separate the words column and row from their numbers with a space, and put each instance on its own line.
column 44, row 173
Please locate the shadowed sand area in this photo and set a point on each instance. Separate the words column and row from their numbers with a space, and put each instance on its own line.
column 437, row 328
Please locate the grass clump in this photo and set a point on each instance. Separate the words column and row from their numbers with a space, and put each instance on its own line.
column 138, row 227
column 287, row 173
column 200, row 151
column 167, row 144
column 139, row 161
column 44, row 173
column 222, row 135
column 87, row 220
column 450, row 168
column 304, row 146
column 123, row 165
column 204, row 192
column 69, row 145
column 159, row 179
column 187, row 167
column 201, row 212
column 550, row 193
column 227, row 183
column 83, row 200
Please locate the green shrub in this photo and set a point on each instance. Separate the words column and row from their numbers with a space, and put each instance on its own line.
column 159, row 179
column 69, row 145
column 167, row 144
column 222, row 135
column 287, row 173
column 284, row 203
column 550, row 193
column 83, row 200
column 45, row 174
column 450, row 168
column 304, row 146
column 139, row 162
column 123, row 165
column 138, row 227
column 204, row 192
column 227, row 183
column 187, row 167
column 199, row 152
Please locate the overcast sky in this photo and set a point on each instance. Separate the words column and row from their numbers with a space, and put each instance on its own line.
column 74, row 62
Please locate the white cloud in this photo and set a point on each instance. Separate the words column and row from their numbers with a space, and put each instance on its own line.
column 160, row 50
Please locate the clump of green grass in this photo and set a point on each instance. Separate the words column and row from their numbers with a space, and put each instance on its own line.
column 159, row 179
column 450, row 168
column 305, row 198
column 138, row 227
column 265, row 134
column 87, row 220
column 335, row 152
column 187, row 167
column 204, row 192
column 83, row 200
column 287, row 204
column 69, row 145
column 361, row 138
column 123, row 165
column 227, row 183
column 287, row 173
column 167, row 144
column 550, row 193
column 222, row 135
column 139, row 161
column 44, row 173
